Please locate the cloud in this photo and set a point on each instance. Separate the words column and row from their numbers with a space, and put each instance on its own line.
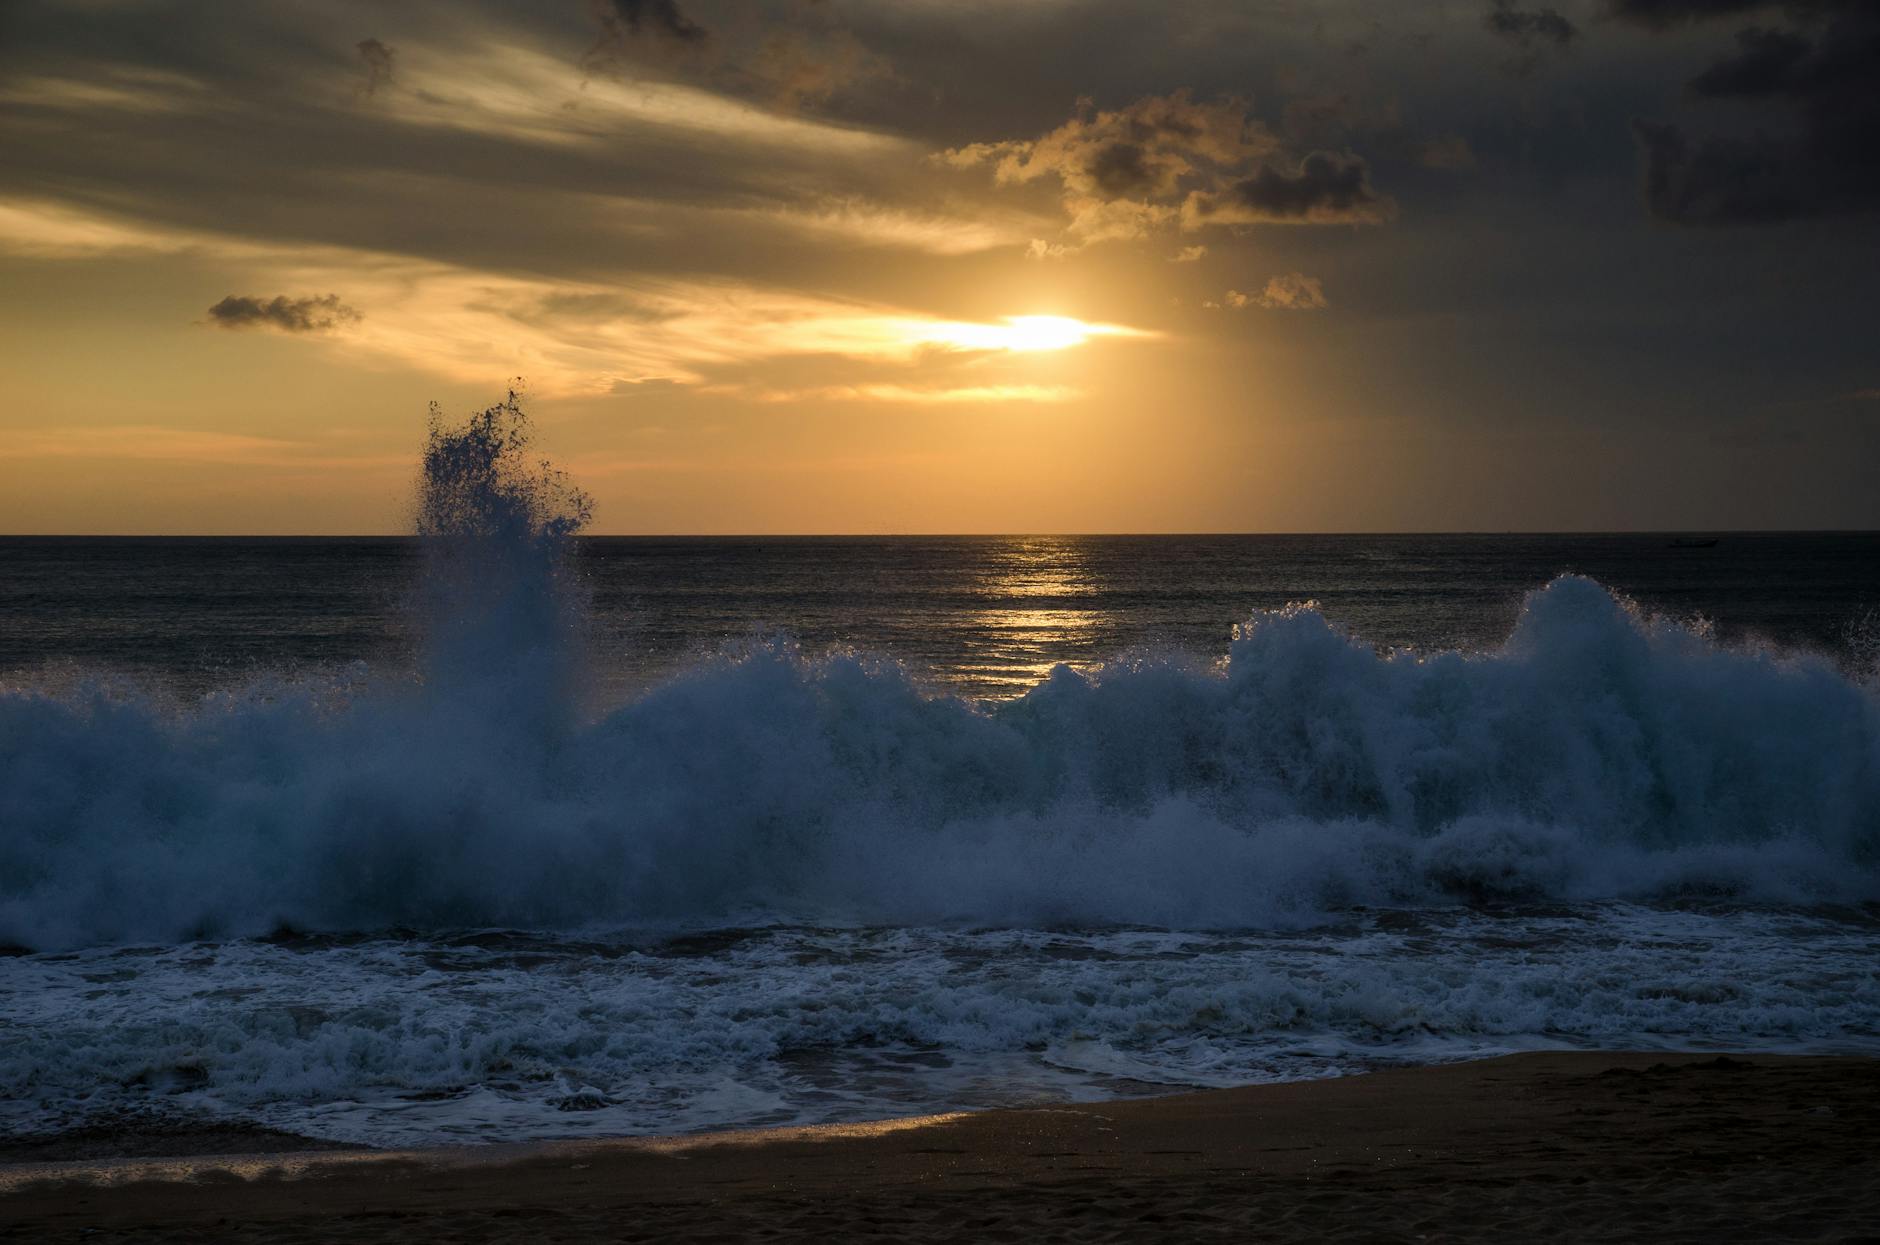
column 1188, row 255
column 785, row 57
column 1293, row 291
column 104, row 89
column 1164, row 160
column 160, row 444
column 1445, row 151
column 1660, row 14
column 1121, row 173
column 527, row 98
column 379, row 62
column 917, row 395
column 794, row 67
column 1327, row 188
column 1529, row 27
column 289, row 315
column 1326, row 121
column 1532, row 32
column 1824, row 83
column 627, row 19
column 1767, row 62
column 585, row 337
column 860, row 223
column 639, row 34
column 47, row 230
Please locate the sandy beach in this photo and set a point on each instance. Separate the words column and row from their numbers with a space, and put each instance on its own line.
column 1551, row 1146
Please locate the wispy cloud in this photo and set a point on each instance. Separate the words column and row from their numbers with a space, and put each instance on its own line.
column 863, row 223
column 919, row 396
column 530, row 97
column 159, row 444
column 105, row 88
column 42, row 229
column 566, row 336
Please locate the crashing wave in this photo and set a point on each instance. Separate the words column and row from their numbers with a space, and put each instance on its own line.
column 1595, row 754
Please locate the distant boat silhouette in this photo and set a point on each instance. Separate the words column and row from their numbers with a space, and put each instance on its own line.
column 1694, row 542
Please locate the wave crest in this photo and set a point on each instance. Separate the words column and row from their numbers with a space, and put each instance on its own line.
column 1595, row 754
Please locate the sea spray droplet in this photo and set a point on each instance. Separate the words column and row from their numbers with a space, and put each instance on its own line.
column 501, row 613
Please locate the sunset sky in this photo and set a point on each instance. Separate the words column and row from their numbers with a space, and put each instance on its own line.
column 1024, row 266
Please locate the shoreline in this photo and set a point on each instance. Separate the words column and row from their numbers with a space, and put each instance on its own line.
column 1580, row 1144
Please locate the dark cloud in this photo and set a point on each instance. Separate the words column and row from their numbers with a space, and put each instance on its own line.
column 1325, row 122
column 1327, row 188
column 1445, row 151
column 660, row 18
column 1662, row 13
column 379, row 61
column 791, row 67
column 1120, row 169
column 210, row 146
column 1529, row 26
column 642, row 33
column 1125, row 172
column 783, row 54
column 1822, row 86
column 289, row 315
column 1768, row 61
column 1532, row 32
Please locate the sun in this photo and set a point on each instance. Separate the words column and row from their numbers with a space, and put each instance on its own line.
column 1017, row 333
column 1044, row 332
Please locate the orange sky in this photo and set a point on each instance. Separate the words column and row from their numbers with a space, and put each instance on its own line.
column 846, row 268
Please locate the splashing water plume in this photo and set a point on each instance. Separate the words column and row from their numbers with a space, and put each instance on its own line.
column 498, row 602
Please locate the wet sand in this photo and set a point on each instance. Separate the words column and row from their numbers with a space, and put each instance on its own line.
column 1540, row 1147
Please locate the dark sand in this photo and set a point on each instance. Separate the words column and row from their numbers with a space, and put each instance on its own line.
column 1548, row 1147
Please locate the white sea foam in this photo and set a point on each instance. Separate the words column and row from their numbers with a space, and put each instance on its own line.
column 399, row 1041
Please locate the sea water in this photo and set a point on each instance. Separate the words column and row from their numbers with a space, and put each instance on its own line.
column 500, row 833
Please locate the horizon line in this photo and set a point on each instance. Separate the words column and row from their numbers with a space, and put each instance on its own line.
column 991, row 535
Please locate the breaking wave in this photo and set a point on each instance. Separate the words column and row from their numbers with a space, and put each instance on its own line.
column 1595, row 754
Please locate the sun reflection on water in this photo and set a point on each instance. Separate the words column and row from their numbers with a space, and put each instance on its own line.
column 1036, row 612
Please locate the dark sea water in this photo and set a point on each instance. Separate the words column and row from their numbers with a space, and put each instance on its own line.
column 509, row 840
column 981, row 616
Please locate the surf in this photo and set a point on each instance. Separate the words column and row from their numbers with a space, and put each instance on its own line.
column 1597, row 753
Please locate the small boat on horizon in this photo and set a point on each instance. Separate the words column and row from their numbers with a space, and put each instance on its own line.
column 1694, row 542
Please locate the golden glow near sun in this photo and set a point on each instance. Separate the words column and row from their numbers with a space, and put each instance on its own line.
column 1016, row 333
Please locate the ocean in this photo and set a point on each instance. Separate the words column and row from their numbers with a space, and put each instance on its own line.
column 505, row 834
column 973, row 616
